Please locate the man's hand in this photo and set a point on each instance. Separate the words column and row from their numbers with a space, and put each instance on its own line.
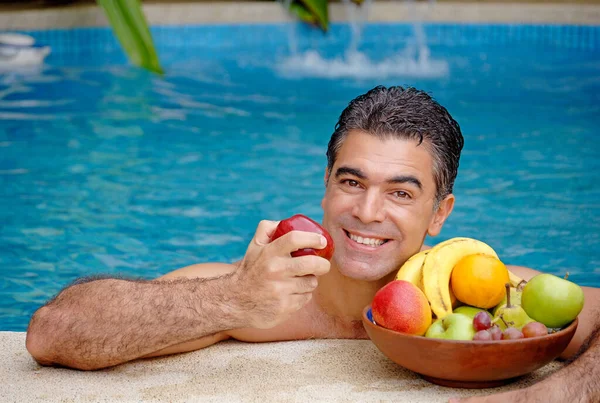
column 578, row 382
column 515, row 396
column 543, row 392
column 270, row 284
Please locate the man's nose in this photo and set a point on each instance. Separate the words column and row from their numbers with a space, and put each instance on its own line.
column 369, row 208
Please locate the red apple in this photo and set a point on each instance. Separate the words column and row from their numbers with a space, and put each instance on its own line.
column 402, row 306
column 301, row 222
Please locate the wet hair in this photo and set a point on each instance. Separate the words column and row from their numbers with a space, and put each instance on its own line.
column 405, row 113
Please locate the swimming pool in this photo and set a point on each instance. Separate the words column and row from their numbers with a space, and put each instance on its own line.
column 108, row 169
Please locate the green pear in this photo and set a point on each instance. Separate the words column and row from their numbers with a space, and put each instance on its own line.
column 455, row 326
column 551, row 300
column 511, row 315
column 470, row 311
column 515, row 299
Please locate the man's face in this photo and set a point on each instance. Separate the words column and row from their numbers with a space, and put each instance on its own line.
column 379, row 204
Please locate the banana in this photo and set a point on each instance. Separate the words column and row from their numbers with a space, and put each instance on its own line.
column 438, row 266
column 412, row 269
column 516, row 281
column 439, row 261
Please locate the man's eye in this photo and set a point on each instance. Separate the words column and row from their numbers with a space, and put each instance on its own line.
column 350, row 182
column 400, row 194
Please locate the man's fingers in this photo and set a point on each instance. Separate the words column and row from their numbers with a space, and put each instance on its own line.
column 263, row 233
column 305, row 284
column 307, row 265
column 296, row 240
column 511, row 396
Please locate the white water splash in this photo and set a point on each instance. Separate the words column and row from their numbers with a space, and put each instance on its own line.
column 358, row 65
column 413, row 61
column 357, row 15
column 292, row 42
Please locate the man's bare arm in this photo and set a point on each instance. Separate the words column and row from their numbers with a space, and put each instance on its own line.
column 106, row 322
column 578, row 382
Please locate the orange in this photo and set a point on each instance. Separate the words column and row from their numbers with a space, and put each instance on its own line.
column 479, row 280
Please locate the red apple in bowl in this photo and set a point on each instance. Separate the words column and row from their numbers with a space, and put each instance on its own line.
column 301, row 222
column 401, row 306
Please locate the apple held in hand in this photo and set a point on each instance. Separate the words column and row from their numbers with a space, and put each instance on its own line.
column 301, row 222
column 402, row 306
column 456, row 326
column 551, row 300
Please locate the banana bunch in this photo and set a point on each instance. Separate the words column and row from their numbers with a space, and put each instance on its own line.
column 430, row 270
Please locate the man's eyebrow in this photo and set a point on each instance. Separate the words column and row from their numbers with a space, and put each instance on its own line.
column 350, row 171
column 345, row 170
column 406, row 179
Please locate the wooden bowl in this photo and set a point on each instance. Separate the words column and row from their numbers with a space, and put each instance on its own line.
column 468, row 364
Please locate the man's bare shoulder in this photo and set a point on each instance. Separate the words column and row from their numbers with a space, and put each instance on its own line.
column 201, row 270
column 524, row 272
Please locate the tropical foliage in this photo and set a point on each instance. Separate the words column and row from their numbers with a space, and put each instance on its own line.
column 130, row 27
column 311, row 11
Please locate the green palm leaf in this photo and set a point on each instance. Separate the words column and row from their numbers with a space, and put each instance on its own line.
column 312, row 11
column 130, row 27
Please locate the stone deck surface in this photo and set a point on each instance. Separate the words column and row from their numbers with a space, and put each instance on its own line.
column 299, row 371
column 228, row 12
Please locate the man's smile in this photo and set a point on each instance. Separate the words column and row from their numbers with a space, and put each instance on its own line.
column 361, row 240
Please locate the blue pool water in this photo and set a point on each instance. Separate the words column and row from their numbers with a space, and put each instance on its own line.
column 105, row 168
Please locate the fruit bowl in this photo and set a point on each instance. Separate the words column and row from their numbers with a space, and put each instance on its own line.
column 468, row 364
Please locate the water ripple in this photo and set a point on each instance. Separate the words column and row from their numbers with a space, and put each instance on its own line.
column 110, row 169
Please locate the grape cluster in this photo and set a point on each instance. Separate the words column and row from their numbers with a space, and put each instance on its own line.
column 482, row 323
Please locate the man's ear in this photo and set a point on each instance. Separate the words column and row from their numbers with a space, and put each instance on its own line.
column 440, row 215
column 326, row 178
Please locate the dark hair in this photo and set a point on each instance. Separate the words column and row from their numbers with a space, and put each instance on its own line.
column 405, row 113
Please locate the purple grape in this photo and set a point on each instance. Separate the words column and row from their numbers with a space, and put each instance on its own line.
column 535, row 329
column 482, row 335
column 512, row 333
column 496, row 332
column 482, row 321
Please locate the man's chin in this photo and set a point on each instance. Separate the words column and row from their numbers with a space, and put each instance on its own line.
column 364, row 272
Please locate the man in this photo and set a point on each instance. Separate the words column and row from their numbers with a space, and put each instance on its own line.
column 392, row 162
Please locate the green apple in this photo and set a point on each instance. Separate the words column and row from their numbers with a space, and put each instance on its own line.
column 471, row 311
column 455, row 326
column 552, row 300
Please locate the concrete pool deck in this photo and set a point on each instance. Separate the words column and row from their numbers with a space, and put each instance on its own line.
column 310, row 370
column 224, row 12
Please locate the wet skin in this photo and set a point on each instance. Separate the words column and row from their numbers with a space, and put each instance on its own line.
column 384, row 191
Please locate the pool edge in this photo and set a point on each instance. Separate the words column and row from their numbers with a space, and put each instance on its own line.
column 268, row 12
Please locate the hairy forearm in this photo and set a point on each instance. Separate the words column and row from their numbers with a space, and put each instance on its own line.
column 578, row 382
column 582, row 374
column 110, row 321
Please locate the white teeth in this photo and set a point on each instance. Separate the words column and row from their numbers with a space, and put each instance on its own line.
column 366, row 241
